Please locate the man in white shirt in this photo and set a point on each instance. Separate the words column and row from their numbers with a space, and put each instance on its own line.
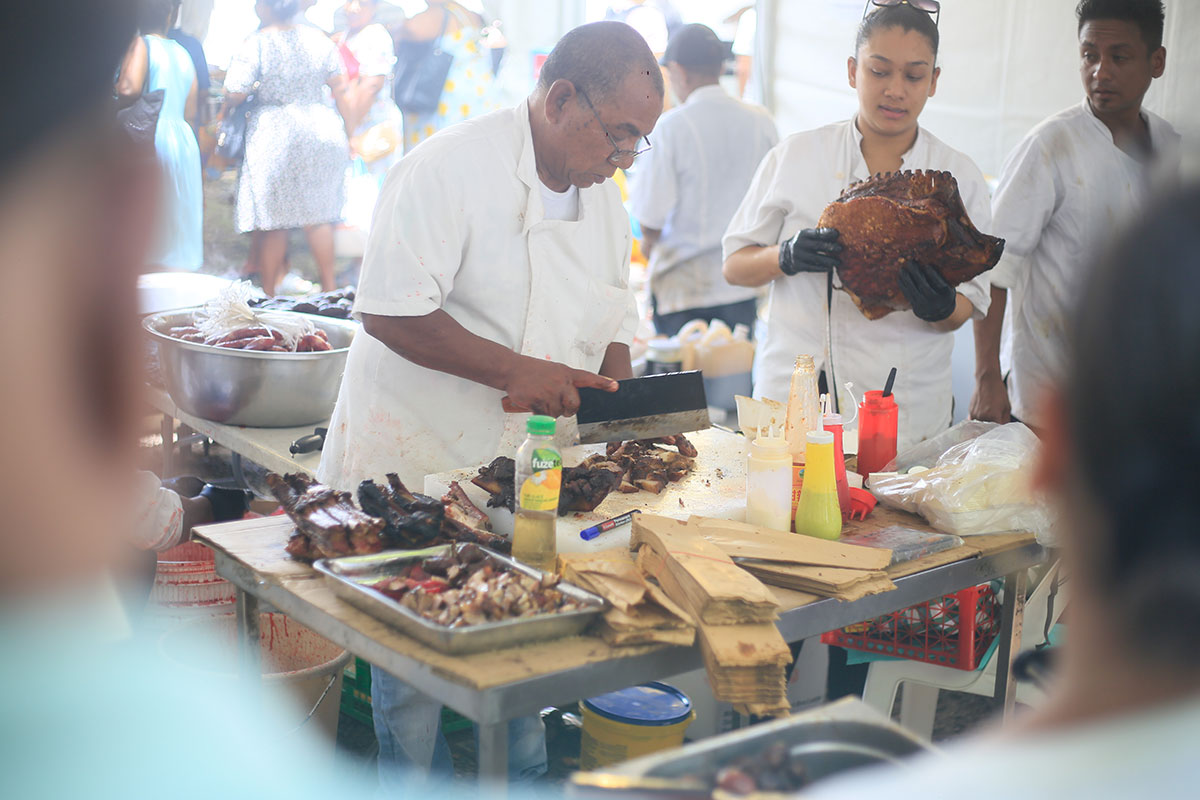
column 495, row 280
column 1062, row 190
column 688, row 187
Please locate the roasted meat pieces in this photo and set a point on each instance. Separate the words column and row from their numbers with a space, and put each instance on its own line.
column 626, row 467
column 894, row 218
column 328, row 524
column 470, row 587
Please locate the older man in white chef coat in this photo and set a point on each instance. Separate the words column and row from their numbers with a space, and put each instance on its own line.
column 1074, row 177
column 496, row 276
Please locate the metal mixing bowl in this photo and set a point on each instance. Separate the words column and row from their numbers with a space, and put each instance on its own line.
column 255, row 389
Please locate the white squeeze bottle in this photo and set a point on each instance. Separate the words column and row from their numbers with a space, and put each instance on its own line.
column 538, row 480
column 769, row 483
column 804, row 407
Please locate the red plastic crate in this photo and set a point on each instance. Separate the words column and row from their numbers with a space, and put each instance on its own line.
column 952, row 631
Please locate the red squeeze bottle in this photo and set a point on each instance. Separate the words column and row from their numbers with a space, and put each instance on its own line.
column 833, row 424
column 878, row 419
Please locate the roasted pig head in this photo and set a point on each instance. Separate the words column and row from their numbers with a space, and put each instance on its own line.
column 893, row 218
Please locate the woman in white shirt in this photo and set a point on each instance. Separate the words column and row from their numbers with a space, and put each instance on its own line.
column 773, row 239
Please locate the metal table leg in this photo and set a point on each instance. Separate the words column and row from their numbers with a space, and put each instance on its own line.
column 249, row 654
column 1012, row 613
column 168, row 445
column 493, row 757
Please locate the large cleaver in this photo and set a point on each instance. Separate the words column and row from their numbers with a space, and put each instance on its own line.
column 644, row 408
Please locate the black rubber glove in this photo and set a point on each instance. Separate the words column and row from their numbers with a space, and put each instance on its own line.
column 810, row 250
column 932, row 299
column 226, row 504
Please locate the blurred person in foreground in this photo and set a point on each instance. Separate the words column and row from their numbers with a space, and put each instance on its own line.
column 297, row 151
column 687, row 188
column 154, row 62
column 1064, row 187
column 1123, row 710
column 107, row 719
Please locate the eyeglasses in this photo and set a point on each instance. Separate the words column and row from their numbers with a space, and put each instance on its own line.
column 928, row 6
column 618, row 155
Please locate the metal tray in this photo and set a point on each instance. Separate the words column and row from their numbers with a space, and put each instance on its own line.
column 349, row 578
column 841, row 736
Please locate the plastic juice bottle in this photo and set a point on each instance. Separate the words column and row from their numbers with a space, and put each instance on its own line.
column 804, row 406
column 833, row 424
column 878, row 420
column 538, row 480
column 769, row 483
column 818, row 513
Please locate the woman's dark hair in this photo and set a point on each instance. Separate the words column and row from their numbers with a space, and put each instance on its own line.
column 155, row 16
column 1147, row 15
column 283, row 10
column 901, row 16
column 1133, row 400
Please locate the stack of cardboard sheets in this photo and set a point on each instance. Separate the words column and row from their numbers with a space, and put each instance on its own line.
column 744, row 653
column 803, row 563
column 640, row 611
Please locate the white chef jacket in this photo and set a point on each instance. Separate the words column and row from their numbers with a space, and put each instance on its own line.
column 689, row 185
column 795, row 182
column 158, row 514
column 460, row 227
column 1064, row 191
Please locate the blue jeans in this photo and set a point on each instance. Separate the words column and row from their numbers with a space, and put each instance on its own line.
column 408, row 726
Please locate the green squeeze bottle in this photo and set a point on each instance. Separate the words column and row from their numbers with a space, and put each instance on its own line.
column 538, row 479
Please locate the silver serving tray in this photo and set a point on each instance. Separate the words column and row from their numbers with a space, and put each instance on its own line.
column 349, row 578
column 835, row 738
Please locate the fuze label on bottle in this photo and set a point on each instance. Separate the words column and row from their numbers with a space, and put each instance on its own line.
column 540, row 490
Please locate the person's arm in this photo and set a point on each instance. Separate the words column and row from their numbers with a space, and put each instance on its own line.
column 990, row 401
column 360, row 96
column 650, row 237
column 437, row 341
column 964, row 309
column 754, row 266
column 135, row 67
column 190, row 108
column 617, row 363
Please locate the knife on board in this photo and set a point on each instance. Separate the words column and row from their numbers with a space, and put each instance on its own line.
column 644, row 408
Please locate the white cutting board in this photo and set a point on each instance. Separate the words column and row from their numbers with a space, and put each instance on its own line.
column 715, row 488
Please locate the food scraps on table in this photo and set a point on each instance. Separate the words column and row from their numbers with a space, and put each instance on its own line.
column 337, row 303
column 329, row 525
column 627, row 467
column 469, row 587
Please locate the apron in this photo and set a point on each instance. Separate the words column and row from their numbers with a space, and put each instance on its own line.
column 572, row 318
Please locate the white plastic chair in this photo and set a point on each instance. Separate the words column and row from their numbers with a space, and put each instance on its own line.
column 923, row 681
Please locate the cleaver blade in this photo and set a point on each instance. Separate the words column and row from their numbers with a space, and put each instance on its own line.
column 644, row 408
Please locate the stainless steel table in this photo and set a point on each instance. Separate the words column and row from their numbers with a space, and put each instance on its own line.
column 267, row 447
column 492, row 688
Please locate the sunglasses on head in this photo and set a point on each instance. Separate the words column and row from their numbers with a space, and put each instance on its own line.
column 928, row 6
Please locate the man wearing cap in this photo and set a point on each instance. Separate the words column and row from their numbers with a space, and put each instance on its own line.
column 688, row 187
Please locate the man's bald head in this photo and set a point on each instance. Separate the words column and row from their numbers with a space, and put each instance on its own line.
column 597, row 57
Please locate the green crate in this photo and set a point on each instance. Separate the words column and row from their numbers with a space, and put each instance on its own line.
column 356, row 698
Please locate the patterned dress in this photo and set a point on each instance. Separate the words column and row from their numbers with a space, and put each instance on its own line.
column 296, row 147
column 465, row 94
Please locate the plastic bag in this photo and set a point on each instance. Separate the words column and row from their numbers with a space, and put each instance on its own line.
column 981, row 485
column 230, row 312
column 926, row 453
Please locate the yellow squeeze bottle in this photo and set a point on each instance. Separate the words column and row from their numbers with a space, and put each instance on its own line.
column 818, row 513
